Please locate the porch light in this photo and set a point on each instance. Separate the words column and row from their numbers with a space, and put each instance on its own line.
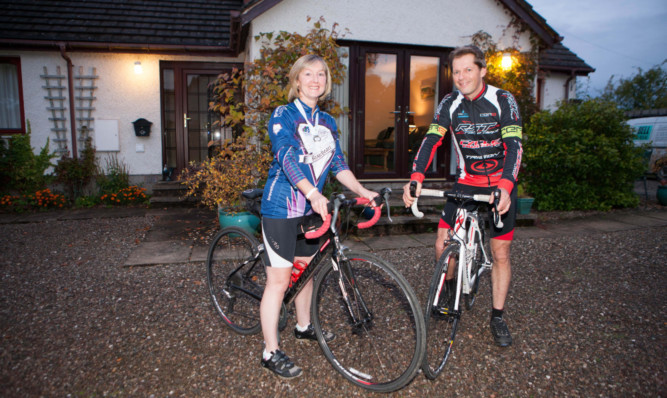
column 137, row 68
column 506, row 62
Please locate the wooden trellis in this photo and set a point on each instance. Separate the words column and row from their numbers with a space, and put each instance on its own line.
column 55, row 94
column 84, row 99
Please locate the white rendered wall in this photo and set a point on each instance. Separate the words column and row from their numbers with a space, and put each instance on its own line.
column 443, row 23
column 121, row 94
column 553, row 90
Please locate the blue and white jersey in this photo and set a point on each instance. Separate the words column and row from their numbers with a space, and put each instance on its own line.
column 305, row 145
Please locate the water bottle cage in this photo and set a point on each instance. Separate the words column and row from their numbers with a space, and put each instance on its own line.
column 297, row 270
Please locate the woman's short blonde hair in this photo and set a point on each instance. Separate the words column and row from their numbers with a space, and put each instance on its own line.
column 298, row 66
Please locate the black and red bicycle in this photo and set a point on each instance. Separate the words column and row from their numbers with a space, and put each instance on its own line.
column 371, row 308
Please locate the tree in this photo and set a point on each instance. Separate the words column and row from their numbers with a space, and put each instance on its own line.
column 644, row 90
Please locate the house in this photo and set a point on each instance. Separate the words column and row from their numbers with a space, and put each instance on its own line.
column 134, row 75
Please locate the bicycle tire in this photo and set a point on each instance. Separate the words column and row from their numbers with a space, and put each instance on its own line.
column 384, row 352
column 476, row 270
column 441, row 321
column 236, row 295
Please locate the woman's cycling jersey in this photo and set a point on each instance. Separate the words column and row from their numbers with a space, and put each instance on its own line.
column 487, row 137
column 303, row 148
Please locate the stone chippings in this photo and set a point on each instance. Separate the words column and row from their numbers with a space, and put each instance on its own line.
column 587, row 314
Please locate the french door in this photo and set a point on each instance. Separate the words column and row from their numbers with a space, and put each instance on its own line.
column 398, row 90
column 189, row 129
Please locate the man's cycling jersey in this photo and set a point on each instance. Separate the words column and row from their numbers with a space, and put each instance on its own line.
column 487, row 132
column 303, row 148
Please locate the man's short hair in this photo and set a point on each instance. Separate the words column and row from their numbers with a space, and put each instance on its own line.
column 480, row 60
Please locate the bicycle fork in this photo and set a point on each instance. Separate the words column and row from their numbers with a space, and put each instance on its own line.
column 360, row 315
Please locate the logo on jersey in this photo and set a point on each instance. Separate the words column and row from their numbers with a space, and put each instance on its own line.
column 482, row 128
column 474, row 144
column 484, row 166
column 490, row 114
column 462, row 114
column 276, row 128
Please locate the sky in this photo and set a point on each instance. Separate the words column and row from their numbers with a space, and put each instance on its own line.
column 613, row 36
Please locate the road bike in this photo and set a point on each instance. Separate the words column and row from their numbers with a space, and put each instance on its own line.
column 362, row 299
column 468, row 254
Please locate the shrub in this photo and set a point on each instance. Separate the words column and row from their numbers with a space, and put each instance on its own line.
column 131, row 195
column 219, row 180
column 21, row 171
column 39, row 200
column 581, row 157
column 245, row 99
column 76, row 173
column 115, row 178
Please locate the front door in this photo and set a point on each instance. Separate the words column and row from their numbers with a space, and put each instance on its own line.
column 400, row 90
column 190, row 131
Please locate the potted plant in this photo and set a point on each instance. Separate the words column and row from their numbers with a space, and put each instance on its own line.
column 218, row 181
column 524, row 201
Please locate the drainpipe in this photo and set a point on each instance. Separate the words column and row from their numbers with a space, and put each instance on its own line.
column 70, row 84
column 567, row 85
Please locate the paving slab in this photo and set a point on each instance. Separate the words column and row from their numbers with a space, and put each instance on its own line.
column 392, row 242
column 199, row 253
column 164, row 252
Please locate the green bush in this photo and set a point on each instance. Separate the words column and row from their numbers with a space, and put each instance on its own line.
column 116, row 177
column 21, row 171
column 76, row 173
column 581, row 157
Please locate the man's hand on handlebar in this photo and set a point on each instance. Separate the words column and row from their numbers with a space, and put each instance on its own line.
column 407, row 196
column 504, row 202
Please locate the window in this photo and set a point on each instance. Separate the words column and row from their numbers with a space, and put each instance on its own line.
column 11, row 97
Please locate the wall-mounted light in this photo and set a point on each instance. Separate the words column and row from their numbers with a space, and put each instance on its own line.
column 506, row 62
column 137, row 68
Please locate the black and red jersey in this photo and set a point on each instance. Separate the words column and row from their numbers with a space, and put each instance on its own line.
column 487, row 137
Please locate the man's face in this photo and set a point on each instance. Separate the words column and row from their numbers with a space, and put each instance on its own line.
column 468, row 77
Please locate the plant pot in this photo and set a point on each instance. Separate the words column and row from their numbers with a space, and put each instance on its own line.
column 245, row 220
column 523, row 205
column 661, row 194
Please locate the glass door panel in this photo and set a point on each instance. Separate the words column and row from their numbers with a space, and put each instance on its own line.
column 424, row 86
column 380, row 113
column 198, row 120
column 169, row 115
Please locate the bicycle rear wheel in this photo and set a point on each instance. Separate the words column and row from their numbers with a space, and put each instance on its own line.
column 440, row 317
column 236, row 278
column 376, row 318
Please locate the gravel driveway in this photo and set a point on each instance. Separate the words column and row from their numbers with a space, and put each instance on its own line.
column 587, row 313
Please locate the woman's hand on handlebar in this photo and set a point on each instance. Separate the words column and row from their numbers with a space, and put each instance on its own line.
column 407, row 196
column 319, row 204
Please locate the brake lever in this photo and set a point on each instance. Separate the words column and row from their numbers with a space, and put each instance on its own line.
column 496, row 216
column 385, row 192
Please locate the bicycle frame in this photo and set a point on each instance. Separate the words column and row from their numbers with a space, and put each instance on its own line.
column 466, row 228
column 330, row 244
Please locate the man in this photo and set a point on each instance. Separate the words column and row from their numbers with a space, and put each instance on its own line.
column 486, row 128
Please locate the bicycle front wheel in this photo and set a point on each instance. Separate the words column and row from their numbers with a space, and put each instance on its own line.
column 477, row 265
column 440, row 317
column 236, row 279
column 376, row 318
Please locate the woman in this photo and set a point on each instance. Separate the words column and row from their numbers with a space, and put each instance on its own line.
column 305, row 147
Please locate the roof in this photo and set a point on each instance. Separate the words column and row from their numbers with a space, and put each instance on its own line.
column 560, row 58
column 187, row 26
column 133, row 25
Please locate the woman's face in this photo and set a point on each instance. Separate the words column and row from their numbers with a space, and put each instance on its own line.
column 312, row 82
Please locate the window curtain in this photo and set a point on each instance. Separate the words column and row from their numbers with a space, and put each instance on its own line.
column 10, row 108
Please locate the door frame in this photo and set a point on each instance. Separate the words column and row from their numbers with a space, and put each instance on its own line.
column 180, row 69
column 357, row 104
